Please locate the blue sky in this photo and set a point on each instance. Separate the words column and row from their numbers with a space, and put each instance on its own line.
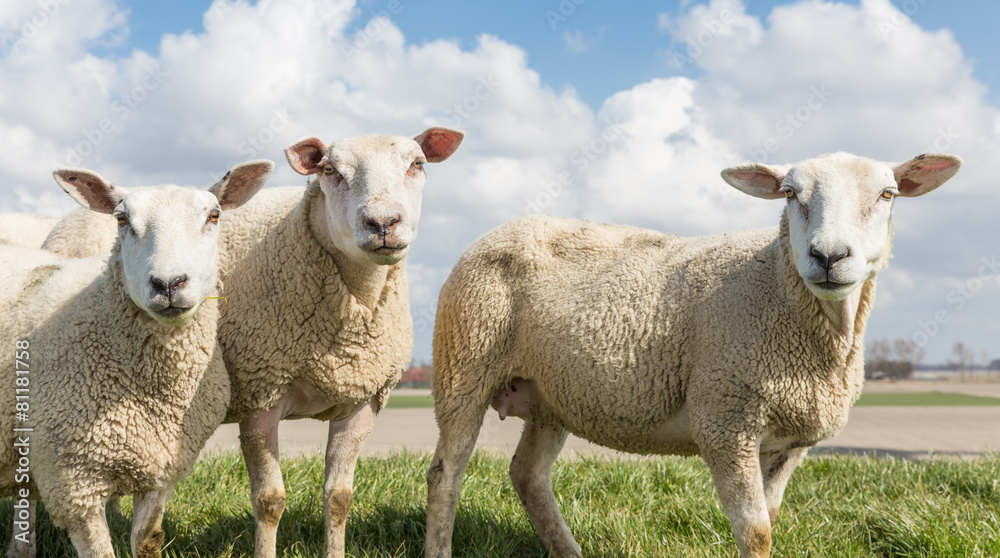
column 207, row 85
column 628, row 48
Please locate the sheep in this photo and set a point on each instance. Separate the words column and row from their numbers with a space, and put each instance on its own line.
column 745, row 348
column 126, row 379
column 81, row 234
column 20, row 229
column 318, row 321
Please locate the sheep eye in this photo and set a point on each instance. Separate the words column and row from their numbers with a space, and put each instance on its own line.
column 121, row 218
column 887, row 194
column 328, row 169
column 789, row 193
column 419, row 165
column 214, row 216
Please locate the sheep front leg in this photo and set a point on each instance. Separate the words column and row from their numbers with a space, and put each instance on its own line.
column 23, row 547
column 147, row 522
column 777, row 469
column 259, row 442
column 342, row 449
column 90, row 534
column 737, row 477
column 531, row 473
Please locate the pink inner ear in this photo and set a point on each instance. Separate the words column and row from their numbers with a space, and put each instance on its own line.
column 933, row 166
column 305, row 155
column 439, row 144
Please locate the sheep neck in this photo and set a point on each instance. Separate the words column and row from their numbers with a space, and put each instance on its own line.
column 365, row 281
column 841, row 323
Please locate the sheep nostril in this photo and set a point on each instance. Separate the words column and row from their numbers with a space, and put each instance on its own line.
column 177, row 282
column 158, row 285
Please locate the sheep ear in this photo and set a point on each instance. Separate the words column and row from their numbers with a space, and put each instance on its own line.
column 89, row 189
column 924, row 173
column 305, row 154
column 241, row 183
column 756, row 179
column 439, row 143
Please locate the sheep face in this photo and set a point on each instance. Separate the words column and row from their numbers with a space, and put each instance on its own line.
column 167, row 236
column 372, row 187
column 839, row 210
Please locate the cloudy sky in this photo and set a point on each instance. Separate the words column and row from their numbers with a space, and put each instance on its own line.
column 621, row 112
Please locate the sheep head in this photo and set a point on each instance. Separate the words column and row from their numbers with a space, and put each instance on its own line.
column 167, row 236
column 373, row 187
column 839, row 211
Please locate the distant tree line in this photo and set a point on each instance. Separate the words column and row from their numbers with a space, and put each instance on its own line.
column 895, row 360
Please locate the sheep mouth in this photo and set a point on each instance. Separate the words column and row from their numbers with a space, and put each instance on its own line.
column 831, row 286
column 173, row 311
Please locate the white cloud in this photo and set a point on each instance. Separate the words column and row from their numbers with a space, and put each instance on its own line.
column 262, row 76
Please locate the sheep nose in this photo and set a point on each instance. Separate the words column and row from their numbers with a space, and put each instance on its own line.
column 168, row 286
column 382, row 226
column 826, row 261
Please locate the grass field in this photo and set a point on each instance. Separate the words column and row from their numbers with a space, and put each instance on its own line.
column 835, row 507
column 928, row 399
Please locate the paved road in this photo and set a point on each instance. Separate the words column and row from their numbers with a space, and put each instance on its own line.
column 903, row 431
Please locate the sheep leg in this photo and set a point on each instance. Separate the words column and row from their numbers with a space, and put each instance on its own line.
column 777, row 469
column 342, row 449
column 90, row 534
column 25, row 546
column 147, row 520
column 737, row 476
column 259, row 442
column 531, row 473
column 459, row 422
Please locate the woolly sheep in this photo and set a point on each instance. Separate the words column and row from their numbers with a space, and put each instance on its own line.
column 745, row 348
column 318, row 321
column 126, row 378
column 20, row 229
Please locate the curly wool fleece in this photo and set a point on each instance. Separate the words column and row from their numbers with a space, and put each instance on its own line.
column 290, row 316
column 120, row 404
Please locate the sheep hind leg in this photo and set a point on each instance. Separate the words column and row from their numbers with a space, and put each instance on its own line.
column 259, row 443
column 147, row 522
column 342, row 448
column 739, row 484
column 90, row 534
column 777, row 469
column 22, row 542
column 531, row 473
column 459, row 421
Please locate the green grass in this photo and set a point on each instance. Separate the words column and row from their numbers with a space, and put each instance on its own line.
column 410, row 402
column 930, row 399
column 834, row 507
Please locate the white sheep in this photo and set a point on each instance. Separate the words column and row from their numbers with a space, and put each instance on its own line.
column 318, row 320
column 745, row 348
column 125, row 377
column 21, row 229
